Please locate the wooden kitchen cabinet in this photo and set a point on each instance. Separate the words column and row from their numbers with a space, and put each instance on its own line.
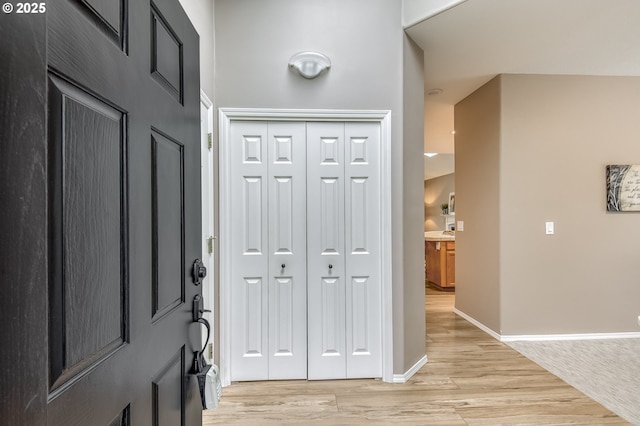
column 441, row 264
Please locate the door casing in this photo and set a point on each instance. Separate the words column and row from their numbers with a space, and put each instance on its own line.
column 225, row 117
column 208, row 216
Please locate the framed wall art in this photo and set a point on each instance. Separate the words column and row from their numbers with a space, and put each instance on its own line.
column 452, row 203
column 623, row 188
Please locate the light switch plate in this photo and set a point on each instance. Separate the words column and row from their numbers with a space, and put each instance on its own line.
column 460, row 225
column 549, row 228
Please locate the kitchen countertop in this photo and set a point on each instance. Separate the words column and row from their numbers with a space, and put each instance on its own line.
column 439, row 236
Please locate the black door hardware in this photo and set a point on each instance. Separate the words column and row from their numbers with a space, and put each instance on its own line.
column 197, row 308
column 199, row 272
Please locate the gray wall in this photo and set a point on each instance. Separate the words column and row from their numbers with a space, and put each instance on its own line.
column 413, row 215
column 436, row 193
column 530, row 149
column 364, row 40
column 200, row 12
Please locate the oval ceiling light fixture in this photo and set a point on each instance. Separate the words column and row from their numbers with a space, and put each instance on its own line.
column 433, row 92
column 309, row 64
column 430, row 154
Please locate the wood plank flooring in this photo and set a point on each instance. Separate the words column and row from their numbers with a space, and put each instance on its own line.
column 470, row 379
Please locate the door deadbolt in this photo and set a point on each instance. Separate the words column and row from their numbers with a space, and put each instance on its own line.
column 199, row 271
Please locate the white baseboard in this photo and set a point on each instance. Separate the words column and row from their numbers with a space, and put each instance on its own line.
column 580, row 336
column 546, row 337
column 478, row 324
column 402, row 378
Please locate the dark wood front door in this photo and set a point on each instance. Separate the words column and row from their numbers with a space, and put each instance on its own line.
column 100, row 214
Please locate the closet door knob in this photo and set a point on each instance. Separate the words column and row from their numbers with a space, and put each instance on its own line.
column 330, row 266
column 283, row 265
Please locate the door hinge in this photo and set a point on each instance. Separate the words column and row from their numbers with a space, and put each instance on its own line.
column 209, row 140
column 210, row 244
column 210, row 351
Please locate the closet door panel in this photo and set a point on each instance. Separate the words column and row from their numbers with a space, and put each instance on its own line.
column 362, row 256
column 287, row 250
column 249, row 252
column 306, row 290
column 326, row 250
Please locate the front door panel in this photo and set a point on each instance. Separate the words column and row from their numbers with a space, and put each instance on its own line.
column 124, row 212
column 89, row 231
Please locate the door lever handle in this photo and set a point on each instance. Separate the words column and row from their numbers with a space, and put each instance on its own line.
column 283, row 265
column 330, row 266
column 197, row 308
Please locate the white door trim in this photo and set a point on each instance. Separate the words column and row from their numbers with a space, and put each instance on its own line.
column 204, row 99
column 208, row 212
column 226, row 116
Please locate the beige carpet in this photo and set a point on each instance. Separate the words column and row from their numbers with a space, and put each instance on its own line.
column 607, row 371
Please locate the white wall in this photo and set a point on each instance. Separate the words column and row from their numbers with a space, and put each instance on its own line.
column 200, row 12
column 364, row 40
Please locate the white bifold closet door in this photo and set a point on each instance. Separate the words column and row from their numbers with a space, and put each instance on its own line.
column 305, row 290
column 268, row 288
column 343, row 249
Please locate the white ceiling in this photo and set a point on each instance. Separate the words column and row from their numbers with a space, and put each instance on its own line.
column 440, row 165
column 470, row 43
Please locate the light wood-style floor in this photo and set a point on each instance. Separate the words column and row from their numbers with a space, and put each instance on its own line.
column 470, row 379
